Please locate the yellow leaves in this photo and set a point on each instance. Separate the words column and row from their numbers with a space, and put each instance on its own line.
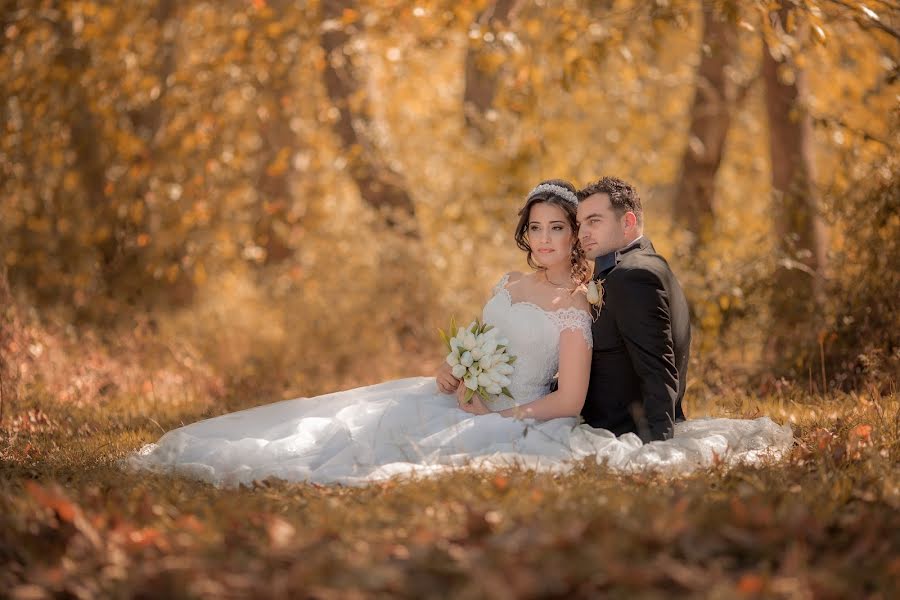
column 88, row 9
column 724, row 301
column 189, row 141
column 349, row 16
column 790, row 25
column 240, row 35
column 786, row 74
column 199, row 275
column 71, row 181
column 64, row 225
column 535, row 76
column 490, row 62
column 106, row 17
column 818, row 34
column 38, row 224
column 533, row 27
column 280, row 164
column 318, row 61
column 102, row 233
column 274, row 29
column 136, row 212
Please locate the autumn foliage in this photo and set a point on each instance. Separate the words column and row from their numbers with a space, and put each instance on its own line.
column 208, row 206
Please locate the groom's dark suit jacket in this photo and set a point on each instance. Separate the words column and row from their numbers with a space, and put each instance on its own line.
column 642, row 338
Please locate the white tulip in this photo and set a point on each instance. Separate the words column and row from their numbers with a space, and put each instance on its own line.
column 477, row 353
column 455, row 344
column 502, row 380
column 469, row 341
column 487, row 361
column 484, row 380
column 452, row 359
column 458, row 371
column 493, row 389
column 471, row 382
column 466, row 359
column 504, row 369
column 489, row 346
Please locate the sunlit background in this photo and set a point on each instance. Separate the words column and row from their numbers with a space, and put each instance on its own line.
column 255, row 200
column 207, row 206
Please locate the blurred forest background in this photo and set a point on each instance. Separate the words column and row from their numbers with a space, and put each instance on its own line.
column 256, row 199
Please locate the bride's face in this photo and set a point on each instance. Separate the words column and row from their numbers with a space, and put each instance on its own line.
column 549, row 235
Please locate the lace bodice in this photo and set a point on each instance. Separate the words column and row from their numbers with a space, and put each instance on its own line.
column 533, row 333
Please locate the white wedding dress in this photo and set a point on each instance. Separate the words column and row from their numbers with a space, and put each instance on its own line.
column 406, row 427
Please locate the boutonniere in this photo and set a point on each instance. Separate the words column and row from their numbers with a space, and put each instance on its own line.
column 595, row 294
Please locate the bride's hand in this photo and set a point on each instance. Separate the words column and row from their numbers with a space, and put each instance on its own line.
column 475, row 406
column 445, row 380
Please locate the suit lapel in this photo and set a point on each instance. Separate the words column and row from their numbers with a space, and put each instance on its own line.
column 606, row 334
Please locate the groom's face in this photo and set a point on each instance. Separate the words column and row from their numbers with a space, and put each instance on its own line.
column 600, row 229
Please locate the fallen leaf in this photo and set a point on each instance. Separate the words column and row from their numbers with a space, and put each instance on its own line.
column 750, row 584
column 280, row 532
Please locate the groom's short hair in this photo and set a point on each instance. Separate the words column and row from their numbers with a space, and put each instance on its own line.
column 622, row 196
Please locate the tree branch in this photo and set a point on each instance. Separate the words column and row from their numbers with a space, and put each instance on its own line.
column 828, row 121
column 870, row 23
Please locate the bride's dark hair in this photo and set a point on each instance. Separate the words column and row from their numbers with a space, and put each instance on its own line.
column 548, row 196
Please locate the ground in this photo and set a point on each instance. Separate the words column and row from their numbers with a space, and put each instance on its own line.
column 824, row 523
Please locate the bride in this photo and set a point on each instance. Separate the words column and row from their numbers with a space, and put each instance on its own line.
column 423, row 426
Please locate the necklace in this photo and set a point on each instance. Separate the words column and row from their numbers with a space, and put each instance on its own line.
column 557, row 285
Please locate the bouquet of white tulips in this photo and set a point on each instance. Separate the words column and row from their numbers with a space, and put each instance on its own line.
column 478, row 356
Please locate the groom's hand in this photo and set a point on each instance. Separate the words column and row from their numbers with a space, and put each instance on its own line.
column 446, row 382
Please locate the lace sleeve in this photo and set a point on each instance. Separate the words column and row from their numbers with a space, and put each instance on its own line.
column 500, row 285
column 574, row 319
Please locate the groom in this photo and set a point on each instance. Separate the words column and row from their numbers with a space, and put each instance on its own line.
column 642, row 334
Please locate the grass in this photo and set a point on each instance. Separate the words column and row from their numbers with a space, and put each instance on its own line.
column 825, row 523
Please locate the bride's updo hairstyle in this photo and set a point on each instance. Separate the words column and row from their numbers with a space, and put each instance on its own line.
column 561, row 193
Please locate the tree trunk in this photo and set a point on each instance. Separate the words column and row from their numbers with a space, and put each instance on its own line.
column 380, row 186
column 274, row 184
column 9, row 323
column 799, row 227
column 148, row 120
column 280, row 144
column 481, row 86
column 693, row 203
column 147, row 123
column 401, row 259
column 85, row 139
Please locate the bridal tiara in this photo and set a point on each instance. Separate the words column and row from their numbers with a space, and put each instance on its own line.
column 556, row 190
